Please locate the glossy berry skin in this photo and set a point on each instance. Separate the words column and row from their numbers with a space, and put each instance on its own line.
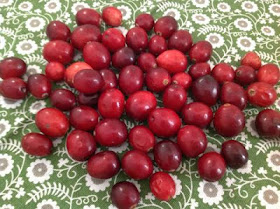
column 52, row 122
column 164, row 122
column 139, row 105
column 211, row 166
column 80, row 145
column 206, row 89
column 268, row 123
column 57, row 30
column 261, row 94
column 245, row 75
column 12, row 67
column 165, row 26
column 113, row 39
column 137, row 39
column 112, row 16
column 180, row 40
column 183, row 79
column 268, row 73
column 162, row 186
column 173, row 61
column 198, row 114
column 167, row 155
column 223, row 72
column 157, row 45
column 39, row 86
column 110, row 132
column 125, row 195
column 200, row 69
column 110, row 79
column 141, row 138
column 87, row 99
column 145, row 21
column 174, row 97
column 13, row 88
column 234, row 154
column 103, row 165
column 251, row 59
column 88, row 16
column 63, row 99
column 137, row 164
column 201, row 51
column 146, row 61
column 123, row 57
column 157, row 79
column 83, row 118
column 229, row 120
column 36, row 144
column 55, row 71
column 111, row 103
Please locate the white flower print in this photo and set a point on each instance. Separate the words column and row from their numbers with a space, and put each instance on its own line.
column 31, row 69
column 26, row 47
column 78, row 6
column 20, row 193
column 243, row 24
column 246, row 43
column 47, row 204
column 4, row 127
column 90, row 207
column 126, row 12
column 268, row 31
column 277, row 102
column 18, row 120
column 25, row 6
column 43, row 42
column 193, row 204
column 201, row 3
column 112, row 207
column 52, row 6
column 178, row 184
column 230, row 181
column 39, row 171
column 212, row 148
column 57, row 141
column 224, row 7
column 249, row 6
column 200, row 19
column 210, row 192
column 247, row 144
column 261, row 170
column 120, row 149
column 216, row 39
column 251, row 127
column 7, row 206
column 2, row 42
column 273, row 160
column 150, row 196
column 97, row 185
column 62, row 162
column 269, row 197
column 247, row 168
column 123, row 30
column 37, row 106
column 19, row 182
column 1, row 19
column 35, row 24
column 6, row 164
column 8, row 195
column 274, row 9
column 5, row 3
column 173, row 13
column 9, row 103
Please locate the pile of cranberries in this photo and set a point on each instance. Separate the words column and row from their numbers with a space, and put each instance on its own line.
column 158, row 64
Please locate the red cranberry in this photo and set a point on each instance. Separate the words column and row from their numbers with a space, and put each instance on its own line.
column 36, row 144
column 80, row 145
column 139, row 105
column 146, row 61
column 141, row 138
column 174, row 97
column 63, row 99
column 201, row 51
column 57, row 30
column 165, row 26
column 211, row 166
column 180, row 40
column 200, row 69
column 268, row 123
column 183, row 79
column 112, row 16
column 157, row 79
column 145, row 21
column 123, row 57
column 229, row 120
column 39, row 86
column 157, row 45
column 223, row 72
column 245, row 75
column 173, row 61
column 137, row 164
column 268, row 73
column 137, row 39
column 13, row 88
column 251, row 59
column 113, row 39
column 87, row 99
column 88, row 16
column 12, row 67
column 110, row 79
column 55, row 71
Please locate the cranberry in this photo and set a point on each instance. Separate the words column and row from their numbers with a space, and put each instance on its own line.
column 96, row 55
column 206, row 89
column 63, row 99
column 111, row 103
column 268, row 73
column 229, row 120
column 141, row 138
column 113, row 39
column 103, row 165
column 162, row 186
column 223, row 72
column 165, row 26
column 146, row 61
column 139, row 105
column 88, row 16
column 157, row 79
column 268, row 123
column 201, row 51
column 234, row 154
column 57, row 30
column 12, row 67
column 164, row 122
column 131, row 79
column 123, row 57
column 245, row 75
column 137, row 39
column 125, row 195
column 200, row 69
column 80, row 145
column 167, row 155
column 39, row 86
column 261, row 94
column 198, row 114
column 183, row 79
column 58, row 51
column 251, row 59
column 110, row 79
column 173, row 61
column 211, row 166
column 36, row 144
column 110, row 132
column 112, row 16
column 87, row 99
column 180, row 40
column 13, row 88
column 84, row 118
column 55, row 71
column 137, row 164
column 52, row 122
column 174, row 97
column 157, row 45
column 145, row 21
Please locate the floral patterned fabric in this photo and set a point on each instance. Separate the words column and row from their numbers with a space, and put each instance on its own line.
column 232, row 26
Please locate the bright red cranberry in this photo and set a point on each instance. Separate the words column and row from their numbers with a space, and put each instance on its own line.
column 110, row 79
column 157, row 79
column 112, row 16
column 125, row 195
column 206, row 89
column 57, row 30
column 229, row 120
column 36, row 144
column 173, row 61
column 63, row 99
column 162, row 186
column 147, row 61
column 165, row 26
column 84, row 118
column 137, row 39
column 52, row 122
column 183, row 79
column 12, row 67
column 103, row 165
column 13, row 88
column 123, row 57
column 180, row 40
column 234, row 154
column 164, row 122
column 88, row 16
column 157, row 45
column 251, row 59
column 111, row 103
column 269, row 73
column 174, row 97
column 39, row 86
column 211, row 166
column 110, row 132
column 145, row 21
column 268, row 123
column 198, row 114
column 245, row 75
column 201, row 51
column 58, row 51
column 137, row 164
column 139, row 105
column 80, row 145
column 87, row 99
column 261, row 94
column 113, row 39
column 223, row 72
column 55, row 71
column 200, row 69
column 141, row 138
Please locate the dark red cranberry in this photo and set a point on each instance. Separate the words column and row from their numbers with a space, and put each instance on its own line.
column 251, row 59
column 57, row 30
column 145, row 21
column 141, row 138
column 137, row 39
column 112, row 16
column 147, row 61
column 87, row 99
column 269, row 73
column 55, row 71
column 165, row 26
column 268, row 123
column 201, row 51
column 88, row 16
column 223, row 72
column 39, row 86
column 200, row 69
column 157, row 79
column 180, row 40
column 123, row 57
column 12, row 67
column 157, row 45
column 173, row 61
column 113, row 39
column 13, row 88
column 245, row 75
column 63, row 99
column 174, row 97
column 183, row 79
column 110, row 79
